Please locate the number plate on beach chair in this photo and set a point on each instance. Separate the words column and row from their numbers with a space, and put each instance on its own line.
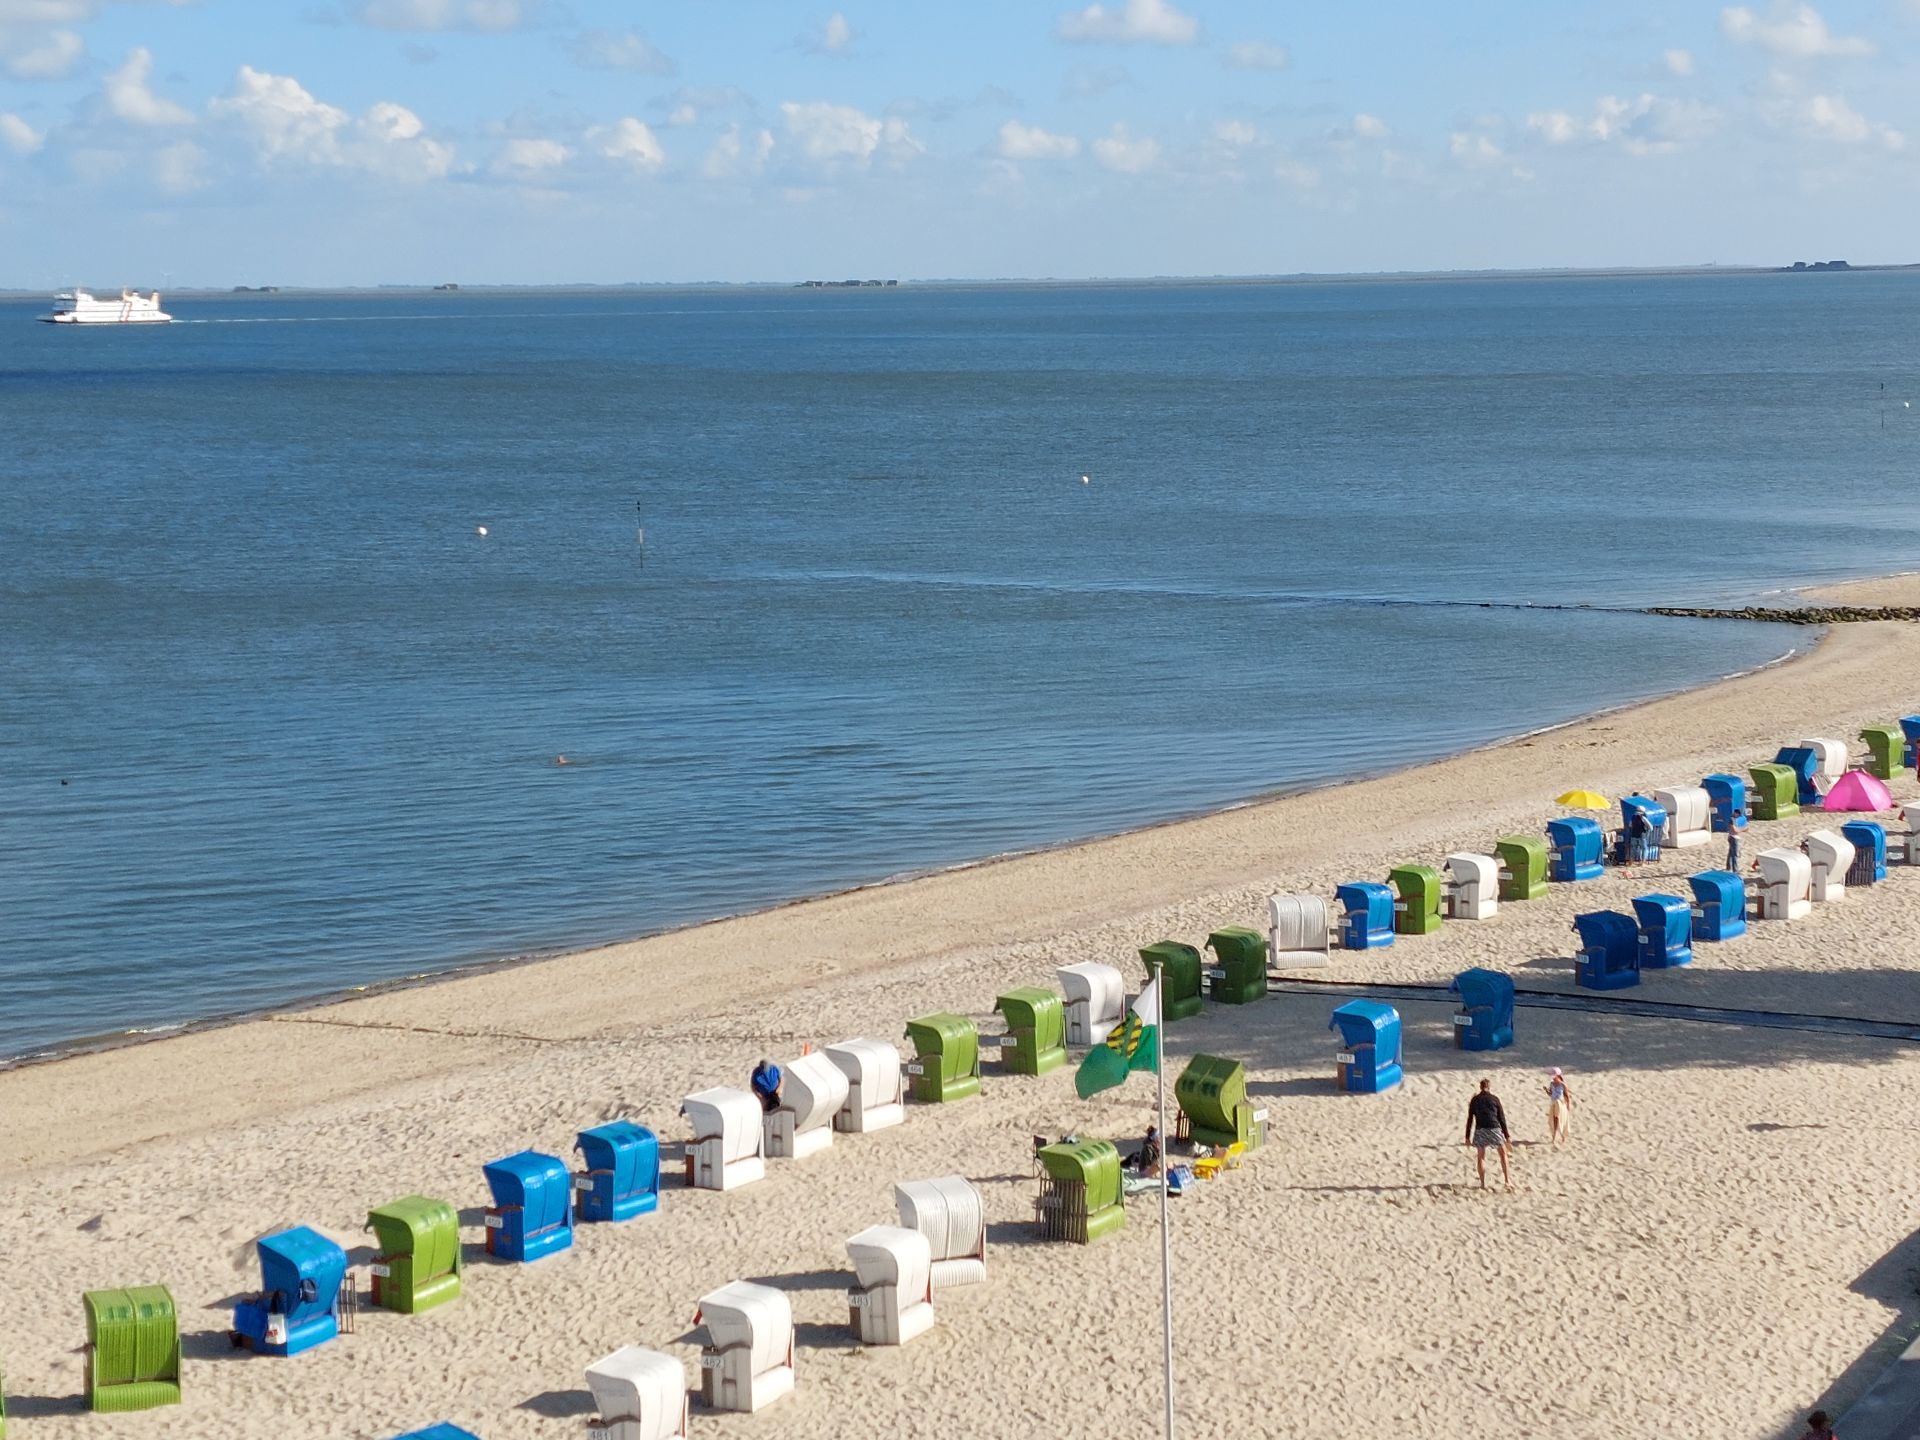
column 915, row 1069
column 1463, row 1021
column 496, row 1222
column 1344, row 1058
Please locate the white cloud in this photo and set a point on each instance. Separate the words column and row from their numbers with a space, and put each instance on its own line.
column 529, row 156
column 1301, row 177
column 621, row 50
column 1125, row 155
column 1679, row 62
column 631, row 142
column 1476, row 150
column 731, row 154
column 131, row 98
column 683, row 114
column 834, row 36
column 1147, row 22
column 177, row 168
column 1030, row 142
column 285, row 123
column 1370, row 127
column 828, row 133
column 18, row 136
column 1797, row 32
column 1235, row 132
column 49, row 57
column 489, row 16
column 1642, row 125
column 1831, row 118
column 1257, row 55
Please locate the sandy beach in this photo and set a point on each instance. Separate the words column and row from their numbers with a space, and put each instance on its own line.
column 1727, row 1242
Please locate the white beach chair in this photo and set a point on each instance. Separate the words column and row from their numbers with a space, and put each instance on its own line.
column 1299, row 932
column 748, row 1362
column 892, row 1300
column 641, row 1395
column 1833, row 762
column 951, row 1214
column 1096, row 997
column 1786, row 884
column 727, row 1146
column 1830, row 855
column 1473, row 887
column 812, row 1091
column 1903, row 837
column 876, row 1097
column 1689, row 817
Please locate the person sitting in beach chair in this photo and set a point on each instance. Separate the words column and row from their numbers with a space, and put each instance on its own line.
column 766, row 1085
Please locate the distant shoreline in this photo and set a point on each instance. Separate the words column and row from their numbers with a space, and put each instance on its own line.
column 469, row 288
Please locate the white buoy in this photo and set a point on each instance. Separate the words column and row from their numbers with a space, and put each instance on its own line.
column 481, row 531
column 1086, row 479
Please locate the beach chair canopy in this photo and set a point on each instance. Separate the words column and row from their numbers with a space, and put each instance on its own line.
column 1179, row 968
column 1365, row 1022
column 419, row 1240
column 1869, row 841
column 623, row 1170
column 1523, row 865
column 726, row 1114
column 1722, row 888
column 948, row 1211
column 1859, row 792
column 1094, row 1163
column 1576, row 842
column 1831, row 857
column 1037, row 1026
column 1886, row 750
column 1416, row 882
column 1666, row 929
column 641, row 1386
column 1297, row 922
column 1830, row 757
column 1368, row 907
column 1609, row 956
column 953, row 1040
column 1655, row 812
column 1101, row 988
column 1783, row 864
column 1488, row 988
column 442, row 1431
column 757, row 1318
column 1212, row 1093
column 133, row 1341
column 1727, row 797
column 304, row 1268
column 1242, row 953
column 1689, row 811
column 1804, row 763
column 892, row 1255
column 815, row 1089
column 872, row 1067
column 537, row 1184
column 1481, row 870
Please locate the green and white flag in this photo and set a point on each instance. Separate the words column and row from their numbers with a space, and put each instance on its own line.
column 1133, row 1044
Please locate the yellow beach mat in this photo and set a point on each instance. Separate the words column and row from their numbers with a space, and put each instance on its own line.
column 1583, row 800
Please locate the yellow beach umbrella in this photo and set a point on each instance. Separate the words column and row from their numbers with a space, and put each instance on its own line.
column 1583, row 800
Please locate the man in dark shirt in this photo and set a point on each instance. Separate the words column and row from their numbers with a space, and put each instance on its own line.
column 1487, row 1130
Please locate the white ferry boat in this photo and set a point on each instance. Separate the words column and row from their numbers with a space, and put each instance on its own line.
column 80, row 308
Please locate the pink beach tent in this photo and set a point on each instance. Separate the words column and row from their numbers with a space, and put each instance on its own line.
column 1857, row 790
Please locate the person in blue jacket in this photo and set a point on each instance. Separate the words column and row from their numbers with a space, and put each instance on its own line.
column 766, row 1085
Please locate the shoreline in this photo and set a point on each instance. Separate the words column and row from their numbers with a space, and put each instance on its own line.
column 58, row 1051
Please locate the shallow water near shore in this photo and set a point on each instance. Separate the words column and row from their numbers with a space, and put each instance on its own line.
column 308, row 720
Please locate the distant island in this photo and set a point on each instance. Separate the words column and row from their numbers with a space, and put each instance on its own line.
column 448, row 286
column 1802, row 267
column 256, row 289
column 842, row 284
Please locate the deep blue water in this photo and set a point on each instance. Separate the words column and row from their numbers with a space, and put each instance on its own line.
column 308, row 719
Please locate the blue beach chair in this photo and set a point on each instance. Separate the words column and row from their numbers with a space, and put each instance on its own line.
column 1485, row 1018
column 1719, row 905
column 1609, row 957
column 1666, row 931
column 298, row 1306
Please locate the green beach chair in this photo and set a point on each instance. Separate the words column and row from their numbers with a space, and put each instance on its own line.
column 1037, row 1026
column 1080, row 1191
column 1242, row 974
column 1886, row 750
column 418, row 1266
column 1212, row 1095
column 1523, row 867
column 1775, row 793
column 1178, row 967
column 133, row 1349
column 1416, row 911
column 947, row 1050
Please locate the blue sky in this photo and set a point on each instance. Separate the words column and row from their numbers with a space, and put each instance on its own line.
column 365, row 141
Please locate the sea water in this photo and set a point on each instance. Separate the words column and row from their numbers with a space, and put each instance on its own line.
column 928, row 574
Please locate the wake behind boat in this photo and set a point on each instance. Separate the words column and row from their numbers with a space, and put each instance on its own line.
column 81, row 308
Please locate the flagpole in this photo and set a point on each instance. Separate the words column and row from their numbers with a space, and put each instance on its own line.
column 1166, row 1155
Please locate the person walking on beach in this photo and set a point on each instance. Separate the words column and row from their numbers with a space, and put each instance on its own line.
column 1487, row 1130
column 1559, row 1107
column 1733, row 850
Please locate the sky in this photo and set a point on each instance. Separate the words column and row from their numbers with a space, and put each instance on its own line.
column 360, row 142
